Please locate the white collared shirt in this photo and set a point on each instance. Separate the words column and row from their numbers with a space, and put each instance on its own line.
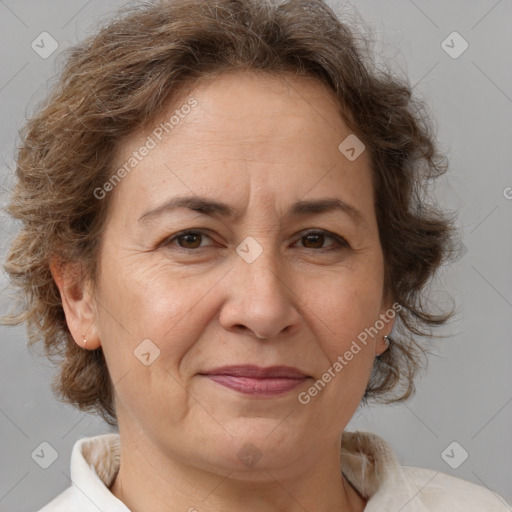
column 367, row 462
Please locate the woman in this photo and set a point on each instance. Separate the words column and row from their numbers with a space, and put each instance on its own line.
column 169, row 192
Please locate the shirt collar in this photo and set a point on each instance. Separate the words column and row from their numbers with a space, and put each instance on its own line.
column 370, row 465
column 94, row 465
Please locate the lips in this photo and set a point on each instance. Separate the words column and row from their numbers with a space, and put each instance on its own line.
column 256, row 380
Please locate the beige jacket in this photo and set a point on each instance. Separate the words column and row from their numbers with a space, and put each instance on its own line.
column 368, row 463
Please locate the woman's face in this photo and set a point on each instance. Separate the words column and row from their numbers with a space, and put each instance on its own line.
column 169, row 310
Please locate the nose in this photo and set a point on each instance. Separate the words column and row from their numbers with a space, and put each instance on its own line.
column 260, row 298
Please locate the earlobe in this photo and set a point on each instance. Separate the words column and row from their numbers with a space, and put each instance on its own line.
column 77, row 302
column 387, row 318
column 382, row 345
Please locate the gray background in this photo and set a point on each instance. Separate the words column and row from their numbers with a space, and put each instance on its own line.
column 466, row 394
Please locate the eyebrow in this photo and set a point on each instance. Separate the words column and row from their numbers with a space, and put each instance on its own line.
column 212, row 207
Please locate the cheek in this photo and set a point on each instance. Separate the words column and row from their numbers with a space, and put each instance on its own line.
column 151, row 302
column 346, row 311
column 148, row 323
column 347, row 306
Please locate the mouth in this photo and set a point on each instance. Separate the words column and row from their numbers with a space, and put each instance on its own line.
column 258, row 381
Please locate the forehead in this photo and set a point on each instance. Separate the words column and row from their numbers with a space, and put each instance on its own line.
column 258, row 111
column 279, row 133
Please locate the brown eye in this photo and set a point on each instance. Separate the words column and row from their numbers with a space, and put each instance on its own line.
column 190, row 240
column 186, row 240
column 313, row 240
column 316, row 239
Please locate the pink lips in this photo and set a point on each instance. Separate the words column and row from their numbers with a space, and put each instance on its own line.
column 255, row 380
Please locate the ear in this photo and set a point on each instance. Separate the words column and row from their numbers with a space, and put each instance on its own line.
column 388, row 313
column 77, row 302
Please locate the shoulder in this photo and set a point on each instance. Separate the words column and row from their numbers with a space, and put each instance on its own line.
column 94, row 464
column 375, row 471
column 436, row 489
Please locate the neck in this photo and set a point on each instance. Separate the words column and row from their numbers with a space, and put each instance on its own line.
column 151, row 480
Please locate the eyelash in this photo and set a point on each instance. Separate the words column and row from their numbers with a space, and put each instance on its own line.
column 340, row 241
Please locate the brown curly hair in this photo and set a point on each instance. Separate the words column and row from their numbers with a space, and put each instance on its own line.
column 122, row 77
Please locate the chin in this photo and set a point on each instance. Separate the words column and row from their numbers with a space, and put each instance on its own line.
column 258, row 445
